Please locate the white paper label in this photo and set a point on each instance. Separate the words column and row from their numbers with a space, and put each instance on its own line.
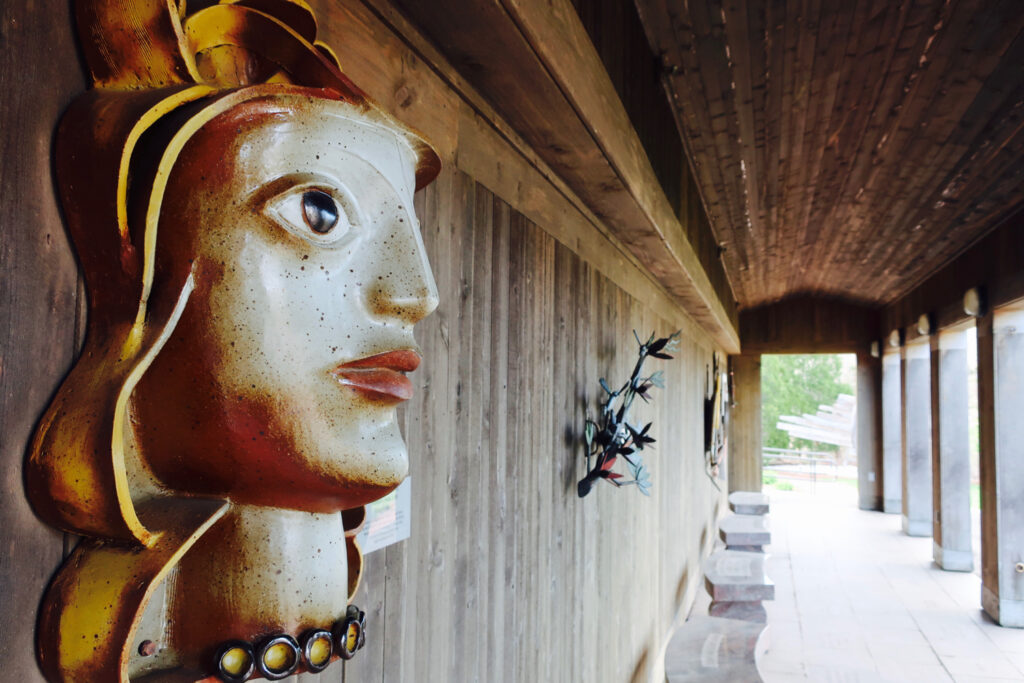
column 387, row 519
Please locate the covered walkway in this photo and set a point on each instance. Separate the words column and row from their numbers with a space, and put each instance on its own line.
column 858, row 600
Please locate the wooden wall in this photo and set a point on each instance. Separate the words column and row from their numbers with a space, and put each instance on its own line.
column 508, row 576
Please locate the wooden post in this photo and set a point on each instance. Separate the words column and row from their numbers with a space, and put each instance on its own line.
column 745, row 425
column 951, row 463
column 917, row 440
column 892, row 433
column 1000, row 406
column 870, row 477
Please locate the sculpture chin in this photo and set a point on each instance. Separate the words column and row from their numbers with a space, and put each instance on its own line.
column 307, row 464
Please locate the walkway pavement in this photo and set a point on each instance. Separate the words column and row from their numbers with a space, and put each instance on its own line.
column 857, row 600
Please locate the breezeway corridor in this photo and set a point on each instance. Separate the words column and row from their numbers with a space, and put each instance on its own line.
column 859, row 600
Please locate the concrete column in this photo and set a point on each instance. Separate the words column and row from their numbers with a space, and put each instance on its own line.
column 951, row 462
column 744, row 460
column 917, row 440
column 869, row 431
column 892, row 433
column 1001, row 422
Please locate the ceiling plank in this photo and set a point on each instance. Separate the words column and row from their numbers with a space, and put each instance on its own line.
column 846, row 149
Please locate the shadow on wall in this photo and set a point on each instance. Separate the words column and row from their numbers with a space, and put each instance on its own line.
column 640, row 670
column 681, row 587
column 573, row 447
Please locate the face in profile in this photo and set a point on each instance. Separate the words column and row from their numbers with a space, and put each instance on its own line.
column 279, row 383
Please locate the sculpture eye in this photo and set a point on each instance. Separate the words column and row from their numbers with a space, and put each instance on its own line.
column 320, row 211
column 322, row 216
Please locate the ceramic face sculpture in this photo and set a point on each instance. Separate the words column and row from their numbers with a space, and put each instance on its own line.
column 296, row 224
column 254, row 270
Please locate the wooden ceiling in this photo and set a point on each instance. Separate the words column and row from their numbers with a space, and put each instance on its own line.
column 846, row 148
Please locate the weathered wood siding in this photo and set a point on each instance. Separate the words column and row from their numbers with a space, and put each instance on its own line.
column 508, row 575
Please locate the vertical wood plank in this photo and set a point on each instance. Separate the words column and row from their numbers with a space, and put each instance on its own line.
column 500, row 521
column 518, row 442
column 524, row 330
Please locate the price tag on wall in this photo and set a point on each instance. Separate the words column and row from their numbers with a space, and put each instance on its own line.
column 387, row 519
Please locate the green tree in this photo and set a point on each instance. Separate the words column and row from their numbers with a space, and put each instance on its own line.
column 794, row 385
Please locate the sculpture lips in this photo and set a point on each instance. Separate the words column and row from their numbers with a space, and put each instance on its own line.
column 380, row 377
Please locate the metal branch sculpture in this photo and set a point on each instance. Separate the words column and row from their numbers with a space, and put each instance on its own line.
column 613, row 436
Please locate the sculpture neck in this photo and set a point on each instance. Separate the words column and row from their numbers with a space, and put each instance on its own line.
column 258, row 572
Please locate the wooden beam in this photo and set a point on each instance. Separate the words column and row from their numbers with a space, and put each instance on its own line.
column 536, row 64
column 808, row 325
column 399, row 67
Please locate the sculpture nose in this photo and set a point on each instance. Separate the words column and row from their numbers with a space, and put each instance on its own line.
column 406, row 289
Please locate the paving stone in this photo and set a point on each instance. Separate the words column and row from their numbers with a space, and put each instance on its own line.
column 905, row 619
column 748, row 503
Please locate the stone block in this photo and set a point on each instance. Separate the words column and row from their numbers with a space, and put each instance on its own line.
column 713, row 650
column 744, row 611
column 745, row 532
column 748, row 503
column 736, row 576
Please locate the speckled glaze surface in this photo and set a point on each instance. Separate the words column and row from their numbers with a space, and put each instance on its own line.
column 279, row 313
column 243, row 217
